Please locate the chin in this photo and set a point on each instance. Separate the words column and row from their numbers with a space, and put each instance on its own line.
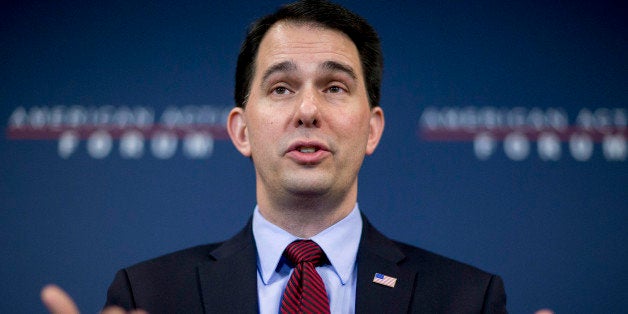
column 307, row 188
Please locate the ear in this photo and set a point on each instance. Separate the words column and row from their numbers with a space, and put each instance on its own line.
column 376, row 129
column 236, row 126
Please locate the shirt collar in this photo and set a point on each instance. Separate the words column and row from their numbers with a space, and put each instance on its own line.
column 339, row 242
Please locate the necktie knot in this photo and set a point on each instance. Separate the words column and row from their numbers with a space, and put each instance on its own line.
column 301, row 251
column 305, row 292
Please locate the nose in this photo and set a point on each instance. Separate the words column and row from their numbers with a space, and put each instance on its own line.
column 308, row 114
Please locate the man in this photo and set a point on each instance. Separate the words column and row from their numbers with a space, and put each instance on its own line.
column 307, row 112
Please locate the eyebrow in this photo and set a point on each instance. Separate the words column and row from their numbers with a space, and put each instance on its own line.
column 328, row 66
column 333, row 66
column 285, row 66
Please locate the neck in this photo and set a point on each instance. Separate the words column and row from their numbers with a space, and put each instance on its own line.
column 306, row 216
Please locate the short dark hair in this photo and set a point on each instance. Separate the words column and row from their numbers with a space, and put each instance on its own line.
column 323, row 13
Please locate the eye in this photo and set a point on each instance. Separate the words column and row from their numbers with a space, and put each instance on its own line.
column 335, row 89
column 280, row 90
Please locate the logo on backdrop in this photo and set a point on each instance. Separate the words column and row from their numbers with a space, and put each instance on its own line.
column 520, row 133
column 139, row 131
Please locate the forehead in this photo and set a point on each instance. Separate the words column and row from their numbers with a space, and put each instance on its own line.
column 305, row 44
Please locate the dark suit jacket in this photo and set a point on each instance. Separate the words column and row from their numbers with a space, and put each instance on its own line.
column 222, row 278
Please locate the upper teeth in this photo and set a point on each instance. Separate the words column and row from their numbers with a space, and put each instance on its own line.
column 307, row 149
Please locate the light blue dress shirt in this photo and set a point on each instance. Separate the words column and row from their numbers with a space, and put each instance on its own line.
column 340, row 244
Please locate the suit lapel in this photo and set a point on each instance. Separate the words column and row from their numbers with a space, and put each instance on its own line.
column 378, row 254
column 229, row 281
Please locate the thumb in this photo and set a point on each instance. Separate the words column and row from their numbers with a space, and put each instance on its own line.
column 58, row 301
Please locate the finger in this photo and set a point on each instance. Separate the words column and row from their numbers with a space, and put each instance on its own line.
column 57, row 301
column 119, row 310
column 113, row 310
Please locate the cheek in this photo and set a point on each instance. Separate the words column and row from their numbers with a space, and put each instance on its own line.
column 259, row 121
column 353, row 124
column 352, row 132
column 262, row 131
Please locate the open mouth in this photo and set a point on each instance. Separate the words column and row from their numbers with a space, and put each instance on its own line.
column 307, row 149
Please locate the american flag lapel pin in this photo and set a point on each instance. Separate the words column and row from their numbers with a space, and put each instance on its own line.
column 384, row 280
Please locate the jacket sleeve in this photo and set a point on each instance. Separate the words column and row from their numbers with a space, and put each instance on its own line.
column 120, row 293
column 495, row 298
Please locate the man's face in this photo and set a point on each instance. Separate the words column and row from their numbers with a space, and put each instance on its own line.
column 307, row 123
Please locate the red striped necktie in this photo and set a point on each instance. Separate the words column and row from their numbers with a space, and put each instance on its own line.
column 305, row 292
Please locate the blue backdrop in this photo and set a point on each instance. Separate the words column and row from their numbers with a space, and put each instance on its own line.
column 505, row 142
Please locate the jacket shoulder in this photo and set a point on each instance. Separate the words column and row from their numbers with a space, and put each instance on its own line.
column 446, row 285
column 439, row 284
column 175, row 261
column 436, row 263
column 168, row 283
